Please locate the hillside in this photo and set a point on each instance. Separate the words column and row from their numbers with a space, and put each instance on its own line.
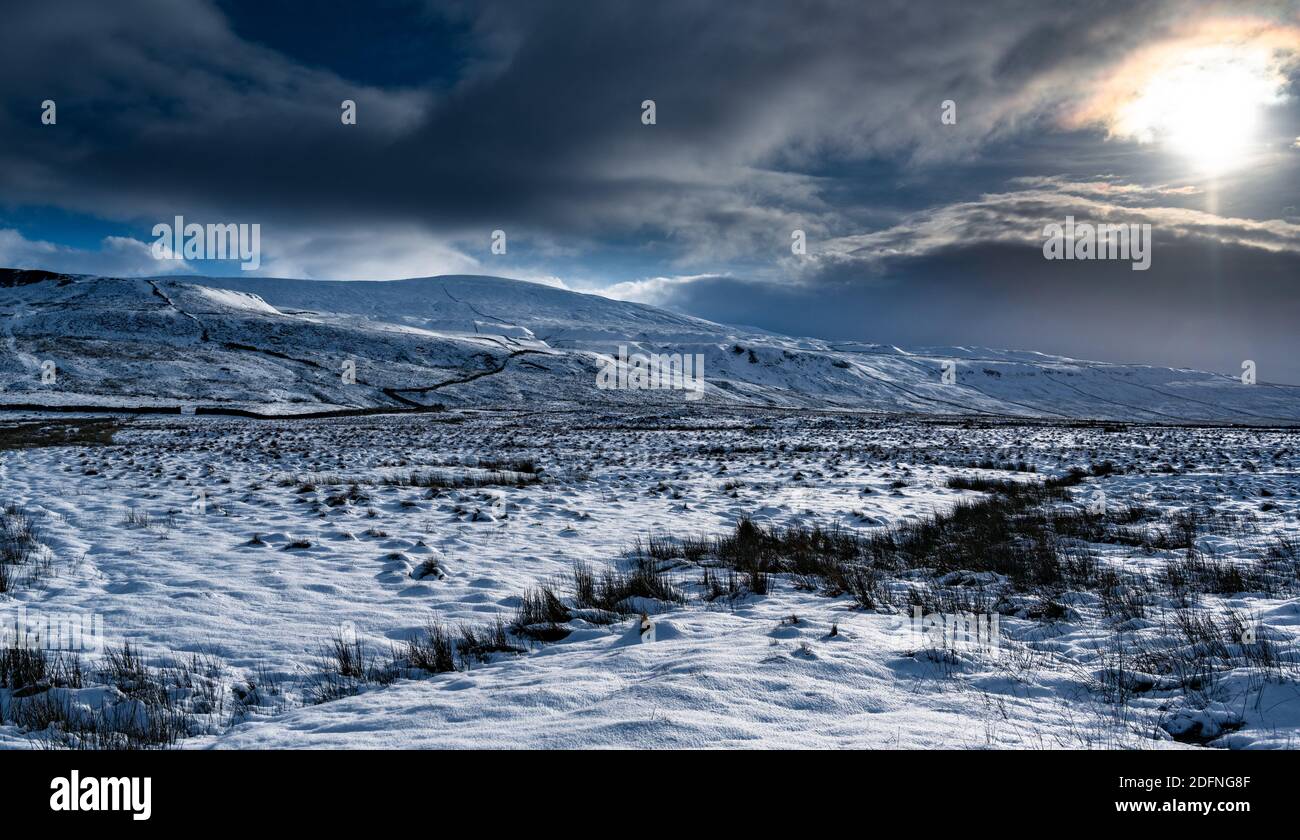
column 280, row 346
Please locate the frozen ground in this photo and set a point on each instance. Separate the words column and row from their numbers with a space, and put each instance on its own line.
column 1180, row 629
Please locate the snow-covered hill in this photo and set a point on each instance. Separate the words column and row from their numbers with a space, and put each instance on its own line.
column 283, row 346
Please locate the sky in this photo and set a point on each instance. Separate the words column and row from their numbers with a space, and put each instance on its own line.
column 921, row 147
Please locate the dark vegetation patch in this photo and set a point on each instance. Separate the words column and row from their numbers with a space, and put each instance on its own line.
column 58, row 433
column 617, row 591
column 1020, row 532
column 158, row 705
column 540, row 615
column 447, row 480
column 21, row 556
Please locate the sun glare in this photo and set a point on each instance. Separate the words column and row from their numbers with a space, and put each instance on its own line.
column 1206, row 107
column 1202, row 93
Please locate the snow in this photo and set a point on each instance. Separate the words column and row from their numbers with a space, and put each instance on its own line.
column 228, row 300
column 720, row 673
column 252, row 544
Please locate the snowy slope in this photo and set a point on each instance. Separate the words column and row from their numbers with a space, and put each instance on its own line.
column 280, row 346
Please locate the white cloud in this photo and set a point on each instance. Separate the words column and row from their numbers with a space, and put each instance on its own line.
column 357, row 255
column 652, row 290
column 540, row 279
column 1018, row 216
column 325, row 255
column 118, row 256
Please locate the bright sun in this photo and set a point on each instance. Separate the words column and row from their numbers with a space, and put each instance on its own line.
column 1206, row 106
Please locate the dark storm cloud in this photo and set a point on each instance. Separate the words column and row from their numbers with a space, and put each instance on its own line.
column 822, row 116
column 1200, row 305
column 1219, row 289
column 162, row 104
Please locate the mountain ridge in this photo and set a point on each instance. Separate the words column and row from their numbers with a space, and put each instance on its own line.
column 279, row 346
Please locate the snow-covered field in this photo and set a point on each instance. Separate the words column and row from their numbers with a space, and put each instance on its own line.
column 1152, row 601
